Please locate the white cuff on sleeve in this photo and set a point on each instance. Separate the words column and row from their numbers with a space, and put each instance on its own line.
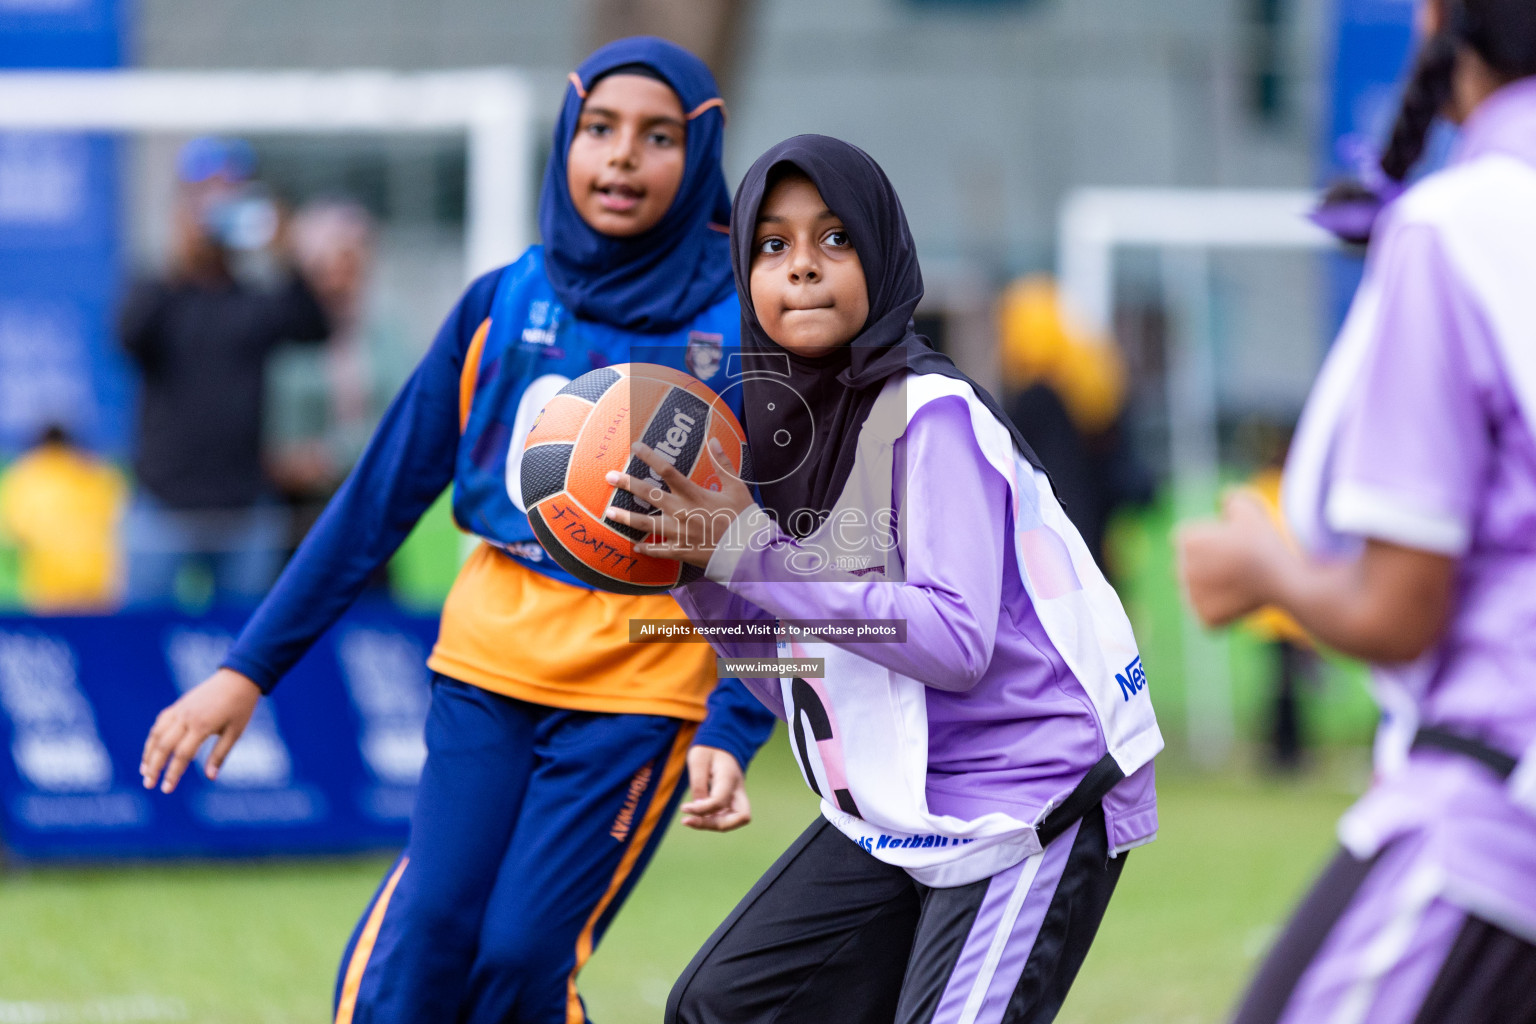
column 741, row 534
column 1366, row 511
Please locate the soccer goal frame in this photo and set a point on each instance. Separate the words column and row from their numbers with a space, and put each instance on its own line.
column 492, row 109
column 1185, row 228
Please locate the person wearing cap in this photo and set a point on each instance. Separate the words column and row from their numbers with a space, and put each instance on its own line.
column 199, row 337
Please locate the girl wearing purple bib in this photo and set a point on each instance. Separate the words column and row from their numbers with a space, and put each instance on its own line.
column 961, row 685
column 1412, row 488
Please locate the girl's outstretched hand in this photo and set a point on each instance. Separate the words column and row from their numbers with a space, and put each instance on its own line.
column 691, row 518
column 220, row 705
column 1229, row 566
column 719, row 792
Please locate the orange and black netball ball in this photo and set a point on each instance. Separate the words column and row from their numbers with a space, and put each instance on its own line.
column 585, row 431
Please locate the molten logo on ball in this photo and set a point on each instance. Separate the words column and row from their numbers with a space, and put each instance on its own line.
column 671, row 446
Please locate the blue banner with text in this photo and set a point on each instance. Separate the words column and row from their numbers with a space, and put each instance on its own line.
column 329, row 762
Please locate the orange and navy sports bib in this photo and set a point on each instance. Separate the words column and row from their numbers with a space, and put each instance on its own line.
column 515, row 622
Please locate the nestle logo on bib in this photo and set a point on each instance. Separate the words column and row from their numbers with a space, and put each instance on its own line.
column 1133, row 680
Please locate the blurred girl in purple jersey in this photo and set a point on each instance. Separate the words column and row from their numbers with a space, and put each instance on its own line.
column 982, row 773
column 1412, row 488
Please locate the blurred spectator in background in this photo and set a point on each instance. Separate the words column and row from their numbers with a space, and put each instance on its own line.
column 1066, row 394
column 200, row 338
column 323, row 403
column 59, row 507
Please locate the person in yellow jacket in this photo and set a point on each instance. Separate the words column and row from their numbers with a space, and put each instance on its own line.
column 59, row 506
column 1066, row 393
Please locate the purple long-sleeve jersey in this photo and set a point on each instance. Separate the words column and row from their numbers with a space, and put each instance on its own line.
column 1008, row 727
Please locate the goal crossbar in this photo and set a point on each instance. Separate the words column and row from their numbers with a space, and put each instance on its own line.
column 491, row 108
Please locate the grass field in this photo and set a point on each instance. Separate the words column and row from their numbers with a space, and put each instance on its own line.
column 241, row 943
column 258, row 942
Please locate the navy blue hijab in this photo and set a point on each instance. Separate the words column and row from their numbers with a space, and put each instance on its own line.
column 839, row 388
column 661, row 279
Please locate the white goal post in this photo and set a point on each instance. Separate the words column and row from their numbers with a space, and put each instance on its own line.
column 491, row 108
column 1184, row 227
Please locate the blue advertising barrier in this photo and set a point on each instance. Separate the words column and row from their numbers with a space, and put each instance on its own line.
column 60, row 245
column 329, row 762
column 1373, row 46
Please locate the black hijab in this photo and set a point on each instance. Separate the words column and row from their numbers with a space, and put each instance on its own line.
column 838, row 388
